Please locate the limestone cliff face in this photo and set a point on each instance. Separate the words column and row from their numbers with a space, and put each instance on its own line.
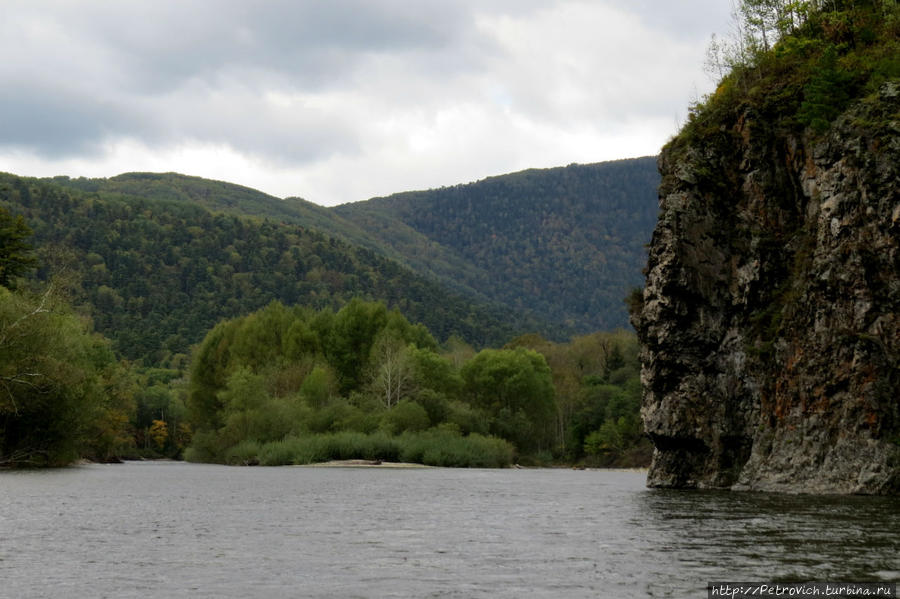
column 770, row 320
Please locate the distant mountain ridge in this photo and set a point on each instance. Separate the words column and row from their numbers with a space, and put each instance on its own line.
column 564, row 245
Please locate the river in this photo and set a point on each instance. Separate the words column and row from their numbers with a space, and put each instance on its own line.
column 171, row 529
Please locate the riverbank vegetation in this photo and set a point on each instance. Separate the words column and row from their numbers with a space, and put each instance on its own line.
column 63, row 394
column 96, row 356
column 296, row 385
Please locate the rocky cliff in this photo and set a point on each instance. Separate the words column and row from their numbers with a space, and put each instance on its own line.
column 770, row 319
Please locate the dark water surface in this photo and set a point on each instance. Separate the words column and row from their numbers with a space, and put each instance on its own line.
column 167, row 529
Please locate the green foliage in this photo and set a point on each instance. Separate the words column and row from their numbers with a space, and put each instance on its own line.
column 265, row 388
column 513, row 240
column 340, row 415
column 62, row 394
column 108, row 432
column 318, row 387
column 15, row 252
column 597, row 384
column 510, row 245
column 801, row 65
column 157, row 274
column 826, row 95
column 432, row 448
column 406, row 416
column 467, row 419
column 435, row 372
column 609, row 437
column 287, row 371
column 351, row 338
column 565, row 244
column 448, row 449
column 515, row 388
column 245, row 453
column 250, row 403
column 159, row 397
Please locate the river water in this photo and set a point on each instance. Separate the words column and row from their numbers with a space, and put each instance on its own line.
column 170, row 529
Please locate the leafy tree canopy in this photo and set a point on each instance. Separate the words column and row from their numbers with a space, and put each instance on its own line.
column 16, row 257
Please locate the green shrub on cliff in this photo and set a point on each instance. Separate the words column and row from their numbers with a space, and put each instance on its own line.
column 826, row 94
column 799, row 64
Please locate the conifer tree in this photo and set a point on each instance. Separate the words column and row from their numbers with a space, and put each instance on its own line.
column 15, row 252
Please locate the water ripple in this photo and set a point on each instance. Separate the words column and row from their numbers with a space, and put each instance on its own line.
column 186, row 530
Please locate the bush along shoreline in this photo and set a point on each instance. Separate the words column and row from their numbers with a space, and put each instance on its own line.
column 292, row 385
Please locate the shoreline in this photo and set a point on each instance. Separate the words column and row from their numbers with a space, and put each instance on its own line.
column 361, row 463
column 364, row 464
column 357, row 463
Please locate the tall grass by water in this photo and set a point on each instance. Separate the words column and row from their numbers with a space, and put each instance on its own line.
column 432, row 448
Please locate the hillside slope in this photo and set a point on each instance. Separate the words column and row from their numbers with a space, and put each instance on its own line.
column 156, row 275
column 565, row 244
column 226, row 198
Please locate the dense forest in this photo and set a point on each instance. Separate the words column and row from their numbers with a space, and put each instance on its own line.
column 565, row 244
column 322, row 371
column 156, row 274
column 561, row 244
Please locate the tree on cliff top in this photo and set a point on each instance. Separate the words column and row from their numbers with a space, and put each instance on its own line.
column 799, row 63
column 758, row 25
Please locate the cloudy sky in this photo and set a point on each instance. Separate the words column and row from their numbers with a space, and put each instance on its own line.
column 342, row 100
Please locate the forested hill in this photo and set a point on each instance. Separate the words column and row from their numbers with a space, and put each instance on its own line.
column 229, row 198
column 565, row 244
column 156, row 274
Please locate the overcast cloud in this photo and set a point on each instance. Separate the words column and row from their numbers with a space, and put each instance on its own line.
column 343, row 100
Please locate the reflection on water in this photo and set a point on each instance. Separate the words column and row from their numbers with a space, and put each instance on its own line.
column 785, row 538
column 185, row 530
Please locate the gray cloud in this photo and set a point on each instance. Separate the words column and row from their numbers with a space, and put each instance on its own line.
column 60, row 122
column 688, row 20
column 403, row 88
column 90, row 64
column 312, row 43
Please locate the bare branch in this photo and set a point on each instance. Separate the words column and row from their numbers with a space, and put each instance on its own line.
column 40, row 309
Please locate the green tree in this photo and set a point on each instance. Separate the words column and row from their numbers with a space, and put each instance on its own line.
column 258, row 341
column 244, row 399
column 351, row 338
column 826, row 95
column 406, row 416
column 434, row 372
column 109, row 433
column 318, row 387
column 209, row 372
column 59, row 391
column 608, row 438
column 16, row 256
column 516, row 388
